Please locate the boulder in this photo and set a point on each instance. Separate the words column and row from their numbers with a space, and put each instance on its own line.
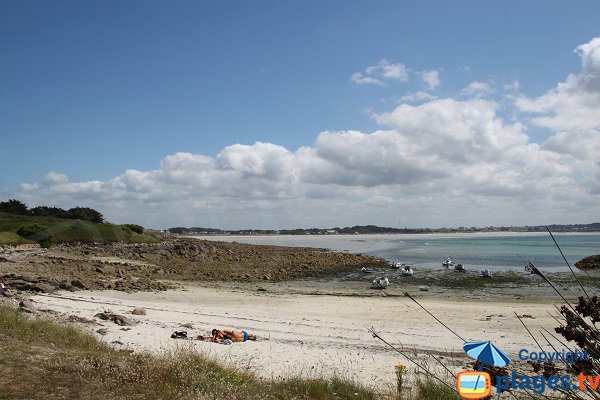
column 78, row 284
column 43, row 287
column 139, row 311
column 27, row 306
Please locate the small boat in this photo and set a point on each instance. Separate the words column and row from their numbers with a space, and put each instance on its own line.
column 396, row 264
column 486, row 273
column 407, row 270
column 367, row 270
column 380, row 283
column 459, row 268
column 448, row 263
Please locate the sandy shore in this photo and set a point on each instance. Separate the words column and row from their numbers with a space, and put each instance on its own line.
column 309, row 335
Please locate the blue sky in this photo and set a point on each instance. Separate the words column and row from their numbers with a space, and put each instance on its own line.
column 92, row 89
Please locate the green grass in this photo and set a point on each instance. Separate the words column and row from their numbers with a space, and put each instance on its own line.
column 41, row 359
column 71, row 231
column 429, row 389
column 11, row 239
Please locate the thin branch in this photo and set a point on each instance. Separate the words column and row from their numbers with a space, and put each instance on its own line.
column 434, row 317
column 528, row 331
column 568, row 265
column 376, row 335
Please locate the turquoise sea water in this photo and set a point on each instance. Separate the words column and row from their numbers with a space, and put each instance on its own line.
column 476, row 251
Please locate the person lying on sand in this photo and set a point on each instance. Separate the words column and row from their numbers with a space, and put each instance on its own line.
column 235, row 336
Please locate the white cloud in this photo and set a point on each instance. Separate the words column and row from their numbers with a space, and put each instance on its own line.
column 574, row 103
column 380, row 73
column 478, row 89
column 443, row 162
column 431, row 78
column 417, row 96
column 444, row 156
column 361, row 79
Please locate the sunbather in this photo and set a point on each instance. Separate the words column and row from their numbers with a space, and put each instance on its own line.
column 235, row 336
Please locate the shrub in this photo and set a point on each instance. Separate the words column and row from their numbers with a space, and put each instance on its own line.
column 85, row 214
column 36, row 232
column 135, row 228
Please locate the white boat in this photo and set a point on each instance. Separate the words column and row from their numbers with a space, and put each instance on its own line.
column 486, row 273
column 407, row 270
column 396, row 264
column 459, row 268
column 448, row 263
column 380, row 283
column 367, row 270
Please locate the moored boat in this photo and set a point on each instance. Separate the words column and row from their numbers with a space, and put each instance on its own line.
column 448, row 263
column 486, row 273
column 380, row 283
column 407, row 270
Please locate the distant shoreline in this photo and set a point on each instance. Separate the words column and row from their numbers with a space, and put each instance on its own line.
column 437, row 235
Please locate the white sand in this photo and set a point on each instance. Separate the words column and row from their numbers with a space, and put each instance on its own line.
column 311, row 335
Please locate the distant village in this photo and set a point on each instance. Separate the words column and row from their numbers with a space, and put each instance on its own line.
column 373, row 229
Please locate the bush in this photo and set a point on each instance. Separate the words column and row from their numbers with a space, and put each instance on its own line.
column 135, row 228
column 85, row 214
column 36, row 232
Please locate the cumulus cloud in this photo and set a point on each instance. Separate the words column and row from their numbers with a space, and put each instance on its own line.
column 431, row 78
column 444, row 154
column 443, row 162
column 383, row 71
column 574, row 103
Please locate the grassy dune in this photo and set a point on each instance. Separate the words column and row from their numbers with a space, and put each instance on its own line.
column 70, row 231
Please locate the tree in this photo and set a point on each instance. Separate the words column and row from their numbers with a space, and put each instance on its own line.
column 44, row 211
column 85, row 214
column 14, row 206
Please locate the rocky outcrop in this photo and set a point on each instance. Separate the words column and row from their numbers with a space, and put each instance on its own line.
column 588, row 263
column 150, row 267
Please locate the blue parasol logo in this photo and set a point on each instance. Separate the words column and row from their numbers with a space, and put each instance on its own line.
column 487, row 353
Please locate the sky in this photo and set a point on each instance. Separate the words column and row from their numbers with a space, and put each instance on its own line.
column 280, row 114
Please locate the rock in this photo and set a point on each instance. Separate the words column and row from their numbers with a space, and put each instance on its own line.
column 27, row 306
column 20, row 284
column 588, row 263
column 139, row 311
column 424, row 288
column 102, row 331
column 78, row 284
column 116, row 318
column 260, row 289
column 83, row 320
column 43, row 287
column 99, row 270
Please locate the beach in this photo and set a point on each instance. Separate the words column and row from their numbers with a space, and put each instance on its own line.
column 306, row 334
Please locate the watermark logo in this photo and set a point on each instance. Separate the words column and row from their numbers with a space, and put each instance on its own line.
column 473, row 384
column 477, row 384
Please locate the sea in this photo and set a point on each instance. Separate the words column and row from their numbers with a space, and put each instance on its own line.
column 476, row 251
